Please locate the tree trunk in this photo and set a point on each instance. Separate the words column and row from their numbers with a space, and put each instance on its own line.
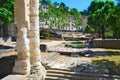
column 103, row 32
column 115, row 32
column 99, row 34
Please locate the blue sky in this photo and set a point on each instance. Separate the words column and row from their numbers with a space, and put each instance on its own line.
column 79, row 4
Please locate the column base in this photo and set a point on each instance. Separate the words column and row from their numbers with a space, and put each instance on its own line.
column 22, row 67
column 38, row 72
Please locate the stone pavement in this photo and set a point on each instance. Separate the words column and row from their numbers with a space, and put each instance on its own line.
column 76, row 68
column 15, row 77
column 52, row 43
column 70, row 63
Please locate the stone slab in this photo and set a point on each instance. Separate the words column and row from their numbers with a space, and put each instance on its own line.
column 15, row 77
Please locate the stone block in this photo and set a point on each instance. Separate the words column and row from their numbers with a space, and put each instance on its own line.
column 15, row 77
column 43, row 47
column 22, row 67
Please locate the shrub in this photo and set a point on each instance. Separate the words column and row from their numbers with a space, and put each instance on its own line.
column 44, row 33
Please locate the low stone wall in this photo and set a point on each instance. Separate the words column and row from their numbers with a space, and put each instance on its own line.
column 73, row 39
column 113, row 44
column 5, row 40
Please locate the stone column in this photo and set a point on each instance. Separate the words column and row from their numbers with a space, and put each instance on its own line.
column 35, row 57
column 22, row 21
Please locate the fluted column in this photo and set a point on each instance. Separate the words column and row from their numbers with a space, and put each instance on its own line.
column 22, row 21
column 34, row 37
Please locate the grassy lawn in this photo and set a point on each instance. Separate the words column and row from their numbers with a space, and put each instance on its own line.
column 111, row 59
column 74, row 44
column 45, row 40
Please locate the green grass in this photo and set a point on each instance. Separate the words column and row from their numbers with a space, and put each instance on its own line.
column 74, row 44
column 45, row 40
column 109, row 33
column 111, row 59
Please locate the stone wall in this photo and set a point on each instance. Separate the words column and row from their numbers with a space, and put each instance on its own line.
column 12, row 30
column 114, row 44
column 5, row 40
column 73, row 39
column 8, row 30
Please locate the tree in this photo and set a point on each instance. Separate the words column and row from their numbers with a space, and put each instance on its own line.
column 99, row 14
column 5, row 15
column 47, row 2
column 44, row 33
column 77, row 17
column 6, row 10
column 114, row 20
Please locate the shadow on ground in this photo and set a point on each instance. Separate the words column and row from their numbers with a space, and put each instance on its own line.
column 6, row 65
column 111, row 59
column 111, row 65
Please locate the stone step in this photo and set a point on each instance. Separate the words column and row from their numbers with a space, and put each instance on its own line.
column 73, row 77
column 70, row 70
column 55, row 78
column 72, row 73
column 60, row 73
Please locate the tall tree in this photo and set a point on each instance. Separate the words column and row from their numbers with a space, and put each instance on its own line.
column 99, row 14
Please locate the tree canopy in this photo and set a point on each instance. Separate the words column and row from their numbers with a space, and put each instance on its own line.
column 101, row 16
column 6, row 10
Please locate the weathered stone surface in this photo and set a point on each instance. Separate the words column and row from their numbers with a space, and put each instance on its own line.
column 34, row 19
column 34, row 7
column 22, row 22
column 15, row 77
column 34, row 36
column 21, row 11
column 22, row 67
column 35, row 59
column 27, row 22
column 5, row 40
column 6, row 53
column 33, row 33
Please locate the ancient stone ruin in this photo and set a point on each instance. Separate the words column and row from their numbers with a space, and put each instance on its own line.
column 27, row 22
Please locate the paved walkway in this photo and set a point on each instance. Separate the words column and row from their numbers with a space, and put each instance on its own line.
column 52, row 43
